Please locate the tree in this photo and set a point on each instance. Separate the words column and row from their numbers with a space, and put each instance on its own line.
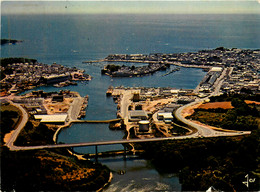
column 236, row 102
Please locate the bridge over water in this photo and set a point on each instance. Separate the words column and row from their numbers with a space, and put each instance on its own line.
column 98, row 143
column 96, row 121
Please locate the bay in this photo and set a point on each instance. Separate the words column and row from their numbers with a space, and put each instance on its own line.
column 71, row 39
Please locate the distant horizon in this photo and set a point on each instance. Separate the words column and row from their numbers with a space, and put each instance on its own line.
column 129, row 7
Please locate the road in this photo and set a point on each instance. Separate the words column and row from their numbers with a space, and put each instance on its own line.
column 218, row 83
column 85, row 144
column 203, row 130
column 125, row 102
column 20, row 126
column 124, row 105
column 75, row 108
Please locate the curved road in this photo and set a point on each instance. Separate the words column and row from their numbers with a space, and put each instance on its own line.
column 203, row 130
column 15, row 133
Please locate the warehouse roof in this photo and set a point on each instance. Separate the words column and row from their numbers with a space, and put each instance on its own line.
column 138, row 113
column 216, row 69
column 56, row 118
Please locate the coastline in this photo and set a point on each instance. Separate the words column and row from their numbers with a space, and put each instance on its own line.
column 108, row 182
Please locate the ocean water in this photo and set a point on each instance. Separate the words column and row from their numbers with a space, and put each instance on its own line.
column 68, row 38
column 71, row 39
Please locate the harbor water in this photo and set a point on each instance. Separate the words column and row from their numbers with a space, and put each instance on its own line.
column 71, row 39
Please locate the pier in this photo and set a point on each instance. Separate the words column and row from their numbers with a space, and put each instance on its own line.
column 95, row 61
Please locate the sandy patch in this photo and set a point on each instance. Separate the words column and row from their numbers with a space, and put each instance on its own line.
column 189, row 110
column 251, row 102
column 7, row 136
column 57, row 107
column 223, row 105
column 215, row 105
column 153, row 106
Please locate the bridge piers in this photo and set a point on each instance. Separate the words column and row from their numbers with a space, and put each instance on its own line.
column 96, row 157
column 96, row 153
column 124, row 152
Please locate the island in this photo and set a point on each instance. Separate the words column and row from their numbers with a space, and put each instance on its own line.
column 10, row 41
column 126, row 71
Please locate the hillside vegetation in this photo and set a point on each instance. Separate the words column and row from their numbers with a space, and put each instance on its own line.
column 44, row 170
column 242, row 116
column 201, row 163
column 221, row 162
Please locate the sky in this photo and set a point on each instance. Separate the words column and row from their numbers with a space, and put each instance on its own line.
column 131, row 7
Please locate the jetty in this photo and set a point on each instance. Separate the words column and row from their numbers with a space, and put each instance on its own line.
column 94, row 61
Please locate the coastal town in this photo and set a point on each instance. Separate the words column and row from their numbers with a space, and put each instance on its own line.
column 22, row 75
column 130, row 96
column 144, row 113
column 142, row 110
column 241, row 66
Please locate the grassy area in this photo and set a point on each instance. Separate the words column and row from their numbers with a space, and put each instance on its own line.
column 9, row 107
column 178, row 130
column 206, row 117
column 35, row 133
column 10, row 116
column 243, row 117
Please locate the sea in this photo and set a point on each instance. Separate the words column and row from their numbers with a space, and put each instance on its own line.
column 71, row 39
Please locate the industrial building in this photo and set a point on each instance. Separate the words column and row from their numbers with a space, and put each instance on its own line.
column 138, row 115
column 143, row 126
column 165, row 116
column 56, row 118
column 56, row 78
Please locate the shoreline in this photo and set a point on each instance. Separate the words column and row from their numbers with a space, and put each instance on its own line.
column 108, row 182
